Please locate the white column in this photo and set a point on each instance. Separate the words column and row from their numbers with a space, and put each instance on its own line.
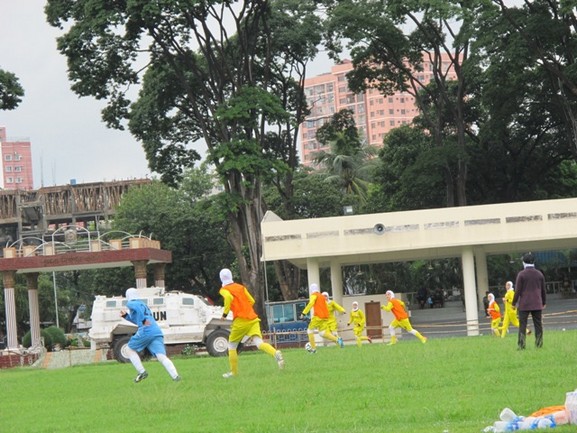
column 482, row 274
column 10, row 308
column 32, row 282
column 313, row 272
column 337, row 282
column 472, row 313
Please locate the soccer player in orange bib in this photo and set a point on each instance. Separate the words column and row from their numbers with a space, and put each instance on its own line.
column 397, row 307
column 320, row 319
column 245, row 322
column 495, row 313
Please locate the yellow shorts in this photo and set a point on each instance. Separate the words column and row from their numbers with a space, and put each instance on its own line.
column 318, row 323
column 404, row 323
column 241, row 327
column 332, row 324
column 358, row 330
column 495, row 323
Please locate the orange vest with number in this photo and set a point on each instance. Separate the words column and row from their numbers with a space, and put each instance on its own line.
column 320, row 306
column 241, row 305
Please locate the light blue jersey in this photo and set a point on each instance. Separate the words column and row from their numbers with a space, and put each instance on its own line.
column 149, row 335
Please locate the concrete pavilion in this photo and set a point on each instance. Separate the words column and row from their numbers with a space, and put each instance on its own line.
column 470, row 233
column 73, row 254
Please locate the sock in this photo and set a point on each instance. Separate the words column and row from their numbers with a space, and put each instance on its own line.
column 233, row 361
column 135, row 360
column 329, row 336
column 418, row 335
column 312, row 340
column 168, row 365
column 267, row 348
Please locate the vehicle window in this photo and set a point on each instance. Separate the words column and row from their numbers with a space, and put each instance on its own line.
column 187, row 301
column 110, row 304
column 158, row 301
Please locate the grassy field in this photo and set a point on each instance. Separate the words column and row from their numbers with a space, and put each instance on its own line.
column 454, row 385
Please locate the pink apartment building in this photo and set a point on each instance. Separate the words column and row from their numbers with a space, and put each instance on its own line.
column 375, row 114
column 16, row 162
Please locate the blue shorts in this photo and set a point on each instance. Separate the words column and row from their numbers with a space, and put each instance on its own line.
column 154, row 343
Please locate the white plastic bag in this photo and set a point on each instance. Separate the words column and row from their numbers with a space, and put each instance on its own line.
column 571, row 406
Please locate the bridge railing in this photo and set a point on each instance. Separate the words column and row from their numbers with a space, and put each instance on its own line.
column 77, row 239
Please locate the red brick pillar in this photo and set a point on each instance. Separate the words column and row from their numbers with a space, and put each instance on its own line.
column 159, row 274
column 10, row 307
column 140, row 273
column 32, row 283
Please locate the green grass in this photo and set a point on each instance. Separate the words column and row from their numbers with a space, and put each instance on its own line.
column 455, row 385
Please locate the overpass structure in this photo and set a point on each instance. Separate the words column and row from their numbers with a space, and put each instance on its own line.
column 471, row 233
column 34, row 213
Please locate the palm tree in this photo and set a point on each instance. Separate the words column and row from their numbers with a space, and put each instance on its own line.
column 348, row 161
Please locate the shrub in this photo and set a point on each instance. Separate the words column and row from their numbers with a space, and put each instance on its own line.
column 57, row 336
column 27, row 339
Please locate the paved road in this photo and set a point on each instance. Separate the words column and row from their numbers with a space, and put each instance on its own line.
column 450, row 320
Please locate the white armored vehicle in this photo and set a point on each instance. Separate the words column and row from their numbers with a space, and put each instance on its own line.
column 184, row 319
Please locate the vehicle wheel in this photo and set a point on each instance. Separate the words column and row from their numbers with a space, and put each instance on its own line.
column 217, row 342
column 119, row 347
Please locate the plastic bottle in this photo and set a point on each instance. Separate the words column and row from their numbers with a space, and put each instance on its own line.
column 527, row 423
column 507, row 415
column 512, row 426
column 500, row 426
column 545, row 423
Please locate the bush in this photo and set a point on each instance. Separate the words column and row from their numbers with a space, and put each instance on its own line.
column 52, row 336
column 27, row 339
column 57, row 336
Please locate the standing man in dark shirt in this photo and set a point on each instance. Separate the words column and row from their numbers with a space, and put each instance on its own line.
column 530, row 298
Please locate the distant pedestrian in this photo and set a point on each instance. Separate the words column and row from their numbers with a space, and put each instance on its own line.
column 495, row 314
column 148, row 336
column 357, row 319
column 530, row 298
column 245, row 322
column 397, row 307
column 486, row 304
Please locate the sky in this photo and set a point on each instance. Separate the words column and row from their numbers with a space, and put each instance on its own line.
column 69, row 140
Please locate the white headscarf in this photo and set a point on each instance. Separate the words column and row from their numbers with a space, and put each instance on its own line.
column 355, row 306
column 314, row 288
column 226, row 277
column 511, row 285
column 131, row 294
column 326, row 295
column 490, row 297
column 390, row 293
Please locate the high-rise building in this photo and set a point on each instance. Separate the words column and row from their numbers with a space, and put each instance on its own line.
column 374, row 113
column 16, row 162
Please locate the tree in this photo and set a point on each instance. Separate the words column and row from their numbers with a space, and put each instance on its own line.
column 216, row 71
column 348, row 161
column 408, row 175
column 313, row 197
column 546, row 32
column 11, row 91
column 389, row 43
column 188, row 223
column 523, row 135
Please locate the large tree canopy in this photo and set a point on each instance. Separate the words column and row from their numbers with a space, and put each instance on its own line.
column 227, row 73
column 390, row 43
